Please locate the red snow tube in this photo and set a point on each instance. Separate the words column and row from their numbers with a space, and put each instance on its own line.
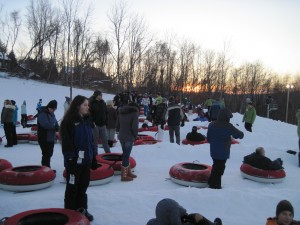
column 30, row 117
column 4, row 164
column 33, row 139
column 151, row 128
column 51, row 216
column 260, row 175
column 26, row 178
column 114, row 160
column 23, row 138
column 34, row 129
column 233, row 141
column 188, row 142
column 141, row 113
column 102, row 175
column 143, row 139
column 190, row 174
column 142, row 119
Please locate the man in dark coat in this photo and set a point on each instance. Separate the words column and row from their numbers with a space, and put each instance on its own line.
column 214, row 110
column 47, row 127
column 98, row 112
column 175, row 118
column 258, row 160
column 219, row 135
column 194, row 135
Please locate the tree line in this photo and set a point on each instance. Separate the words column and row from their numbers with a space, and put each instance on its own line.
column 128, row 56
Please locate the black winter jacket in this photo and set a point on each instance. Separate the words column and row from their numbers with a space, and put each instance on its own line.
column 195, row 136
column 174, row 114
column 98, row 111
column 262, row 162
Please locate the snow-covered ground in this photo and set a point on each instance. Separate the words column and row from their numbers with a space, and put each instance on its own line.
column 240, row 201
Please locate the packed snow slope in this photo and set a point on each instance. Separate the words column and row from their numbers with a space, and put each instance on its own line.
column 240, row 202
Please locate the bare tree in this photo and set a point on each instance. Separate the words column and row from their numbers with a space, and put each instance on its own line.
column 15, row 27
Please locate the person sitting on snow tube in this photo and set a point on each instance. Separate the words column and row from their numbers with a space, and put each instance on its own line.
column 169, row 211
column 258, row 160
column 284, row 215
column 195, row 136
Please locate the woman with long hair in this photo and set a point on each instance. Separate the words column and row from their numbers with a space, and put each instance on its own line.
column 79, row 155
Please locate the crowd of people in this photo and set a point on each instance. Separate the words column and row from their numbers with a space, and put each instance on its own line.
column 86, row 120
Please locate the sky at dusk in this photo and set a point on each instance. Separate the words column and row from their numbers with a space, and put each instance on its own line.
column 264, row 30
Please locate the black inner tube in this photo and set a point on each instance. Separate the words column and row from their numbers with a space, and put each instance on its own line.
column 46, row 218
column 192, row 166
column 112, row 157
column 26, row 168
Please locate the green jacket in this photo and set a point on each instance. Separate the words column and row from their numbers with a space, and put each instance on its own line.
column 298, row 120
column 208, row 102
column 159, row 100
column 250, row 115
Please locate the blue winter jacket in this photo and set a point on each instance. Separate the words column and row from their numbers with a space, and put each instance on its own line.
column 219, row 135
column 15, row 118
column 76, row 135
column 47, row 126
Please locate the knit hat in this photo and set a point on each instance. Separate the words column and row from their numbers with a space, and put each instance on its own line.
column 52, row 104
column 194, row 128
column 97, row 93
column 284, row 205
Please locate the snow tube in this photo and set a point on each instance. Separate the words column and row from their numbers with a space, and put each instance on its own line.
column 263, row 176
column 190, row 174
column 233, row 141
column 141, row 113
column 101, row 146
column 145, row 142
column 114, row 160
column 151, row 128
column 4, row 164
column 142, row 119
column 33, row 139
column 30, row 118
column 26, row 178
column 23, row 138
column 102, row 175
column 34, row 129
column 188, row 142
column 53, row 216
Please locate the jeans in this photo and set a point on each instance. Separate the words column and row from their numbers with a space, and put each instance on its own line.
column 176, row 130
column 126, row 148
column 146, row 109
column 111, row 134
column 103, row 135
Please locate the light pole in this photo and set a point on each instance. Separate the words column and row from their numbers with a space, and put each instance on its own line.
column 287, row 101
column 71, row 78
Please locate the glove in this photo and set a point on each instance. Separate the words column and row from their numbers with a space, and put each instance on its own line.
column 95, row 164
column 71, row 166
column 193, row 218
column 182, row 124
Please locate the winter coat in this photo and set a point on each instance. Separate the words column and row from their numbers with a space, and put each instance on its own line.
column 174, row 114
column 208, row 102
column 214, row 110
column 23, row 108
column 195, row 136
column 249, row 115
column 15, row 116
column 76, row 135
column 262, row 162
column 170, row 212
column 219, row 135
column 7, row 114
column 159, row 113
column 298, row 120
column 127, row 123
column 146, row 101
column 111, row 117
column 273, row 221
column 47, row 126
column 158, row 100
column 98, row 111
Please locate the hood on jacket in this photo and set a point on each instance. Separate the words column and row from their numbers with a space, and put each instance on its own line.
column 128, row 109
column 169, row 212
column 224, row 115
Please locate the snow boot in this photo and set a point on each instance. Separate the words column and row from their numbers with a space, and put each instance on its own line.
column 84, row 212
column 124, row 174
column 217, row 221
column 130, row 174
column 110, row 143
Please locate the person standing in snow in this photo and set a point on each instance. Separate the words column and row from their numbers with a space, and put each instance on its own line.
column 284, row 215
column 159, row 115
column 168, row 211
column 47, row 126
column 111, row 122
column 15, row 122
column 214, row 110
column 67, row 104
column 146, row 102
column 219, row 135
column 249, row 116
column 98, row 110
column 38, row 107
column 23, row 114
column 127, row 125
column 7, row 115
column 298, row 131
column 79, row 154
column 175, row 118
